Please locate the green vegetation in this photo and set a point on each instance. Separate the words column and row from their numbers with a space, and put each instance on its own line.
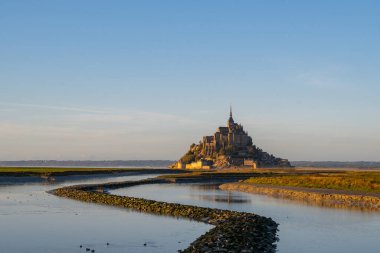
column 188, row 158
column 194, row 154
column 352, row 181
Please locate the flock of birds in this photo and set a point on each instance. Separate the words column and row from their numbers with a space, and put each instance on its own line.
column 92, row 250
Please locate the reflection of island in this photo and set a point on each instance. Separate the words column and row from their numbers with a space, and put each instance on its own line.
column 229, row 146
column 217, row 195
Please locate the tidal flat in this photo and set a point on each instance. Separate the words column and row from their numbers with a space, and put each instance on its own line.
column 232, row 232
column 34, row 221
column 302, row 227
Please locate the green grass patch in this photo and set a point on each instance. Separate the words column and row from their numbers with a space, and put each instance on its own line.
column 352, row 181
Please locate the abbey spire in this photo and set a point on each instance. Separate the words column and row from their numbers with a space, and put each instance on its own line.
column 230, row 122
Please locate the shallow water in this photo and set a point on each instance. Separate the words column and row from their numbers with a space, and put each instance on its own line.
column 33, row 221
column 303, row 228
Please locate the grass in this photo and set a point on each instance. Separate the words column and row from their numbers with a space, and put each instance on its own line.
column 351, row 181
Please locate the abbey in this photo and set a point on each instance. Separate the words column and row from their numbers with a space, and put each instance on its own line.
column 231, row 136
column 229, row 146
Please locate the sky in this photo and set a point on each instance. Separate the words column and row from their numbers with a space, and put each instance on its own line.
column 104, row 80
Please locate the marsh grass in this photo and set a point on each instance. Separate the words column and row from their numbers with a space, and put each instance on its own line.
column 351, row 181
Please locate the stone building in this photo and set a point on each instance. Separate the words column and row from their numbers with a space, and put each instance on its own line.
column 232, row 136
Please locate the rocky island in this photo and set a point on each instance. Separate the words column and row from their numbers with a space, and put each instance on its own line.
column 230, row 146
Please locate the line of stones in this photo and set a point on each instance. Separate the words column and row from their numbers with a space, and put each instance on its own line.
column 233, row 231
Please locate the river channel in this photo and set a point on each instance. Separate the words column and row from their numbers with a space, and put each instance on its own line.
column 303, row 228
column 34, row 221
column 31, row 220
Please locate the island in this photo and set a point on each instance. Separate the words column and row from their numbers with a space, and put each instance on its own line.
column 230, row 146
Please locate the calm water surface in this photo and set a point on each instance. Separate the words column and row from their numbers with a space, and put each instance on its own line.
column 33, row 221
column 302, row 228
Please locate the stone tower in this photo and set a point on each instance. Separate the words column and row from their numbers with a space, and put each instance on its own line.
column 230, row 122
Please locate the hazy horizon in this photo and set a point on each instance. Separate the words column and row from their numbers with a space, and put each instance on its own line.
column 137, row 80
column 170, row 160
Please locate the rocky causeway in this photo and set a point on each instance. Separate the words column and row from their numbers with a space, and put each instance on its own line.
column 232, row 232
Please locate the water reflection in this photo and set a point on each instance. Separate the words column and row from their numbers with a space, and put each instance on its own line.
column 202, row 191
column 34, row 221
column 302, row 228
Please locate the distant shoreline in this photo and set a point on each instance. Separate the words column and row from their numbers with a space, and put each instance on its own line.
column 24, row 171
column 84, row 167
column 166, row 163
column 33, row 175
column 337, row 169
column 88, row 163
column 337, row 164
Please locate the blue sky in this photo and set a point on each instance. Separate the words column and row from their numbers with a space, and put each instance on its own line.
column 144, row 79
